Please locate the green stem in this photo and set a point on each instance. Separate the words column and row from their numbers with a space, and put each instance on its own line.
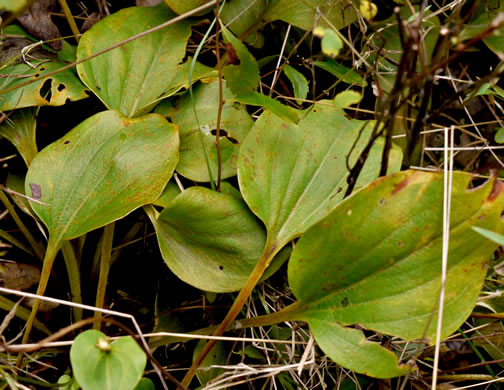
column 70, row 19
column 263, row 263
column 50, row 256
column 108, row 235
column 72, row 266
column 14, row 241
column 39, row 250
column 286, row 314
column 127, row 238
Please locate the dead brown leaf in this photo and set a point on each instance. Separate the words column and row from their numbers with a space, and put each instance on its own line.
column 17, row 276
column 37, row 21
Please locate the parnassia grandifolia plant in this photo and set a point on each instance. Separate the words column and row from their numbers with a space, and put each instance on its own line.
column 366, row 264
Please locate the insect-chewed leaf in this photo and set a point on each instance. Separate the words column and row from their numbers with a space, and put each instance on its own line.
column 291, row 175
column 210, row 240
column 377, row 262
column 235, row 124
column 100, row 171
column 132, row 77
column 55, row 90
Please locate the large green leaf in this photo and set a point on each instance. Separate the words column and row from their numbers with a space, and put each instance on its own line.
column 303, row 13
column 235, row 121
column 100, row 171
column 209, row 239
column 100, row 364
column 52, row 91
column 377, row 262
column 19, row 129
column 291, row 175
column 132, row 77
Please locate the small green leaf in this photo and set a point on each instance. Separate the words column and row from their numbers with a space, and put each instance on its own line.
column 343, row 73
column 377, row 262
column 103, row 169
column 100, row 364
column 66, row 382
column 298, row 82
column 209, row 239
column 132, row 77
column 347, row 98
column 244, row 78
column 499, row 135
column 331, row 43
column 19, row 128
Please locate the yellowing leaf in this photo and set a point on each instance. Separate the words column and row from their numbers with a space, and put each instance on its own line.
column 368, row 10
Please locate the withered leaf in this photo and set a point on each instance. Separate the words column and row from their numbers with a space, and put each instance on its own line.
column 37, row 21
column 18, row 276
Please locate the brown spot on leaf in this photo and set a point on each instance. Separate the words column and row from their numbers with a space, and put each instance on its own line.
column 37, row 21
column 36, row 191
column 497, row 188
column 400, row 186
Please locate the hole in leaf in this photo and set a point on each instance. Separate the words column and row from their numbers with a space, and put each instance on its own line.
column 66, row 142
column 98, row 88
column 42, row 69
column 36, row 75
column 61, row 87
column 45, row 90
column 221, row 267
column 224, row 133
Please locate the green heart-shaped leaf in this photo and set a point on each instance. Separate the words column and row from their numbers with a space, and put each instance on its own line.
column 377, row 262
column 98, row 363
column 291, row 175
column 100, row 171
column 210, row 240
column 132, row 77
